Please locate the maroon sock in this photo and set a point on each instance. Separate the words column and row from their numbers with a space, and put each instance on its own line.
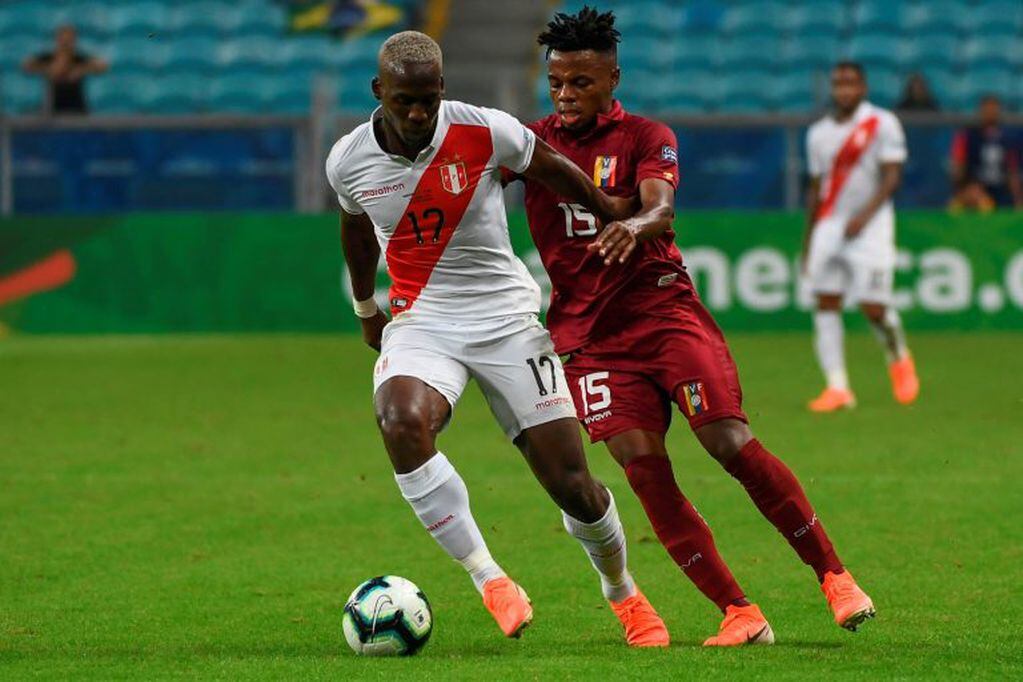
column 776, row 492
column 681, row 529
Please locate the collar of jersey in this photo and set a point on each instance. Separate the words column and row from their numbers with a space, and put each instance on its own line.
column 426, row 151
column 861, row 110
column 611, row 118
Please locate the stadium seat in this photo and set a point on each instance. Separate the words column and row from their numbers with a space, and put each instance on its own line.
column 874, row 49
column 938, row 17
column 119, row 94
column 885, row 85
column 810, row 52
column 991, row 79
column 791, row 92
column 194, row 53
column 360, row 53
column 950, row 88
column 21, row 94
column 992, row 17
column 136, row 52
column 993, row 50
column 247, row 53
column 695, row 50
column 754, row 18
column 305, row 53
column 16, row 49
column 941, row 51
column 679, row 104
column 876, row 16
column 648, row 17
column 180, row 93
column 290, row 95
column 26, row 19
column 760, row 50
column 239, row 94
column 356, row 97
column 820, row 18
column 138, row 19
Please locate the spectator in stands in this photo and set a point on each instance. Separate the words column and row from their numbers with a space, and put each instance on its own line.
column 985, row 162
column 65, row 68
column 917, row 95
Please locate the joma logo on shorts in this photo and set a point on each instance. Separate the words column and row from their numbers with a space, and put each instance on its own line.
column 803, row 530
column 600, row 416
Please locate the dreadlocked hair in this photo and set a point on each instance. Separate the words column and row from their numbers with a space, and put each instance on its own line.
column 586, row 30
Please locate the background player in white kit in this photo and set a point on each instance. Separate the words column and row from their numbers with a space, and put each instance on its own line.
column 855, row 157
column 421, row 181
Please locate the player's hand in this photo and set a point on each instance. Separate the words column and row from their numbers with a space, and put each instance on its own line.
column 373, row 329
column 856, row 225
column 615, row 243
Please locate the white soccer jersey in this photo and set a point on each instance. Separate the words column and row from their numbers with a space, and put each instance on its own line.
column 440, row 219
column 847, row 156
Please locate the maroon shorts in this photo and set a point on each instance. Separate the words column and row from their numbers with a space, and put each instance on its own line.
column 629, row 379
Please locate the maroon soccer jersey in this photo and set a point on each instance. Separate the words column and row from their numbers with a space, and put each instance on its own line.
column 590, row 300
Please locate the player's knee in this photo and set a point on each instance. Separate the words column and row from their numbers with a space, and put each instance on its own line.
column 579, row 495
column 723, row 440
column 402, row 424
column 873, row 313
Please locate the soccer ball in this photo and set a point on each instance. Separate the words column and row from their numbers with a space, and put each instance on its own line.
column 387, row 616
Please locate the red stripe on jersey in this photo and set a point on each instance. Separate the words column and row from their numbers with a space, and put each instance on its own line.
column 846, row 158
column 437, row 206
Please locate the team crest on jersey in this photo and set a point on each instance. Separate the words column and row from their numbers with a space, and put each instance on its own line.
column 453, row 177
column 604, row 171
column 696, row 398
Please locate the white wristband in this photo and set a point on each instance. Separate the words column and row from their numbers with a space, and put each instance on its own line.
column 365, row 309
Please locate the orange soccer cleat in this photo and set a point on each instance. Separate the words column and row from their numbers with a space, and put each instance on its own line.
column 508, row 604
column 643, row 627
column 850, row 605
column 905, row 384
column 742, row 625
column 832, row 400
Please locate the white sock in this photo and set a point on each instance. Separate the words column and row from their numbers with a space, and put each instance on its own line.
column 829, row 342
column 604, row 542
column 440, row 499
column 891, row 336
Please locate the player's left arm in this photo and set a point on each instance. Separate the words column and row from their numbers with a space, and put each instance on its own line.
column 892, row 156
column 618, row 240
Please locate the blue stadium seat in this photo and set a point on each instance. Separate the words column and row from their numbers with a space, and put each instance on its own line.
column 648, row 17
column 992, row 17
column 991, row 79
column 360, row 53
column 21, row 94
column 699, row 84
column 997, row 50
column 820, row 18
column 287, row 94
column 876, row 15
column 247, row 53
column 930, row 50
column 694, row 50
column 755, row 50
column 874, row 49
column 237, row 94
column 180, row 93
column 305, row 53
column 931, row 17
column 810, row 52
column 679, row 104
column 185, row 21
column 138, row 18
column 16, row 49
column 885, row 85
column 755, row 18
column 792, row 92
column 357, row 97
column 26, row 19
column 704, row 15
column 950, row 88
column 193, row 53
column 137, row 52
column 116, row 93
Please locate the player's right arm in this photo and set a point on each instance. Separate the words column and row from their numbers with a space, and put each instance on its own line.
column 813, row 193
column 362, row 253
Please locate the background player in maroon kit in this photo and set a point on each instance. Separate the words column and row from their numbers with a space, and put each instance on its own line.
column 639, row 338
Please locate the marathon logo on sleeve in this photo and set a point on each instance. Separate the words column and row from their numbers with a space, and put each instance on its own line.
column 696, row 398
column 669, row 153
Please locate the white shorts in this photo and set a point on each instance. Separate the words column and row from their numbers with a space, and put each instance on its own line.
column 513, row 363
column 861, row 270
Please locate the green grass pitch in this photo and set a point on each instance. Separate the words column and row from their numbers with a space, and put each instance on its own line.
column 202, row 506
